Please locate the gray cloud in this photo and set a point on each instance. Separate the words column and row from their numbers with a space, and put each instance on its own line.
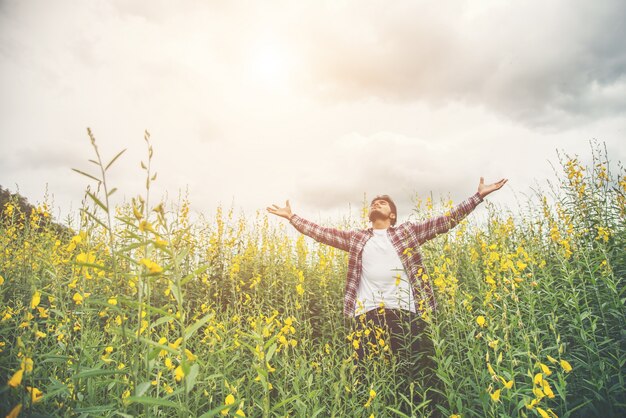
column 541, row 63
column 384, row 163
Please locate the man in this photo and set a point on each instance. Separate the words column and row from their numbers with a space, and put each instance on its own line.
column 387, row 285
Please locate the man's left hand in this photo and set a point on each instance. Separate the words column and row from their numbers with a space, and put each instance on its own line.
column 485, row 189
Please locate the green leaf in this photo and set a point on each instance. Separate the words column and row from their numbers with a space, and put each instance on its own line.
column 194, row 273
column 190, row 330
column 192, row 376
column 95, row 219
column 176, row 292
column 114, row 158
column 161, row 320
column 112, row 191
column 270, row 352
column 97, row 372
column 213, row 412
column 86, row 175
column 161, row 346
column 284, row 402
column 93, row 409
column 97, row 201
column 52, row 358
column 146, row 400
column 142, row 388
column 132, row 246
column 124, row 415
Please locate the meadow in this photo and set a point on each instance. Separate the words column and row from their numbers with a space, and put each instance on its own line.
column 136, row 310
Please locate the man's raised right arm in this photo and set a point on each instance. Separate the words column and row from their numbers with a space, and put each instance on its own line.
column 329, row 236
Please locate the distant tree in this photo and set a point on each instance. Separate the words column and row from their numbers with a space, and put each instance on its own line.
column 21, row 202
column 26, row 208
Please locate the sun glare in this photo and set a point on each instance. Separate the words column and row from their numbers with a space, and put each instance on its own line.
column 271, row 64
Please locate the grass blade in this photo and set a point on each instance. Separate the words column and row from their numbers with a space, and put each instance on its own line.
column 114, row 158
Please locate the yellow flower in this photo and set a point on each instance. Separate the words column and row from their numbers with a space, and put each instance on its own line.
column 138, row 215
column 491, row 371
column 151, row 265
column 145, row 226
column 230, row 399
column 455, row 416
column 509, row 384
column 538, row 379
column 43, row 313
column 495, row 396
column 35, row 394
column 532, row 404
column 176, row 343
column 547, row 389
column 112, row 301
column 480, row 321
column 371, row 398
column 543, row 413
column 190, row 356
column 300, row 289
column 16, row 379
column 168, row 363
column 15, row 411
column 240, row 413
column 78, row 299
column 179, row 373
column 552, row 360
column 1, row 280
column 545, row 369
column 86, row 258
column 566, row 366
column 35, row 300
column 27, row 364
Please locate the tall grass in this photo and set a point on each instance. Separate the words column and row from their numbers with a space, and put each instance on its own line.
column 142, row 312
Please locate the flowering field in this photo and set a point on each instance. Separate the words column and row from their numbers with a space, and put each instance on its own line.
column 138, row 311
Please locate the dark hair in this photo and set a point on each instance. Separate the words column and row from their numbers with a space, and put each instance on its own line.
column 392, row 205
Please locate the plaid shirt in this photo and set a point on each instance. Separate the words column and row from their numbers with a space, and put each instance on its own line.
column 406, row 239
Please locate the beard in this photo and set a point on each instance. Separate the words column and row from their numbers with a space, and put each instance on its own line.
column 377, row 215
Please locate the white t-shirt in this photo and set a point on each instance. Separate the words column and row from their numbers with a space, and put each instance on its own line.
column 383, row 280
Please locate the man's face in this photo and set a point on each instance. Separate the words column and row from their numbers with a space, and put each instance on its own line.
column 380, row 209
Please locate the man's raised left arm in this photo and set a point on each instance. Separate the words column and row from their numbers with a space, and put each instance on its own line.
column 432, row 227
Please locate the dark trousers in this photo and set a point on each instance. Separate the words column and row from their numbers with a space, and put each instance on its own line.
column 401, row 335
column 403, row 332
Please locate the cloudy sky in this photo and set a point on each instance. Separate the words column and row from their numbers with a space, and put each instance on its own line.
column 322, row 102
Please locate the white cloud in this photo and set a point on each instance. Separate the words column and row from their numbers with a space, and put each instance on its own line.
column 360, row 97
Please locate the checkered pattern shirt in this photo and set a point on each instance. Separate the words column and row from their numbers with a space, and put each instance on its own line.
column 406, row 239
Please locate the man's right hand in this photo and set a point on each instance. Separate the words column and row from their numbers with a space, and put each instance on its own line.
column 282, row 212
